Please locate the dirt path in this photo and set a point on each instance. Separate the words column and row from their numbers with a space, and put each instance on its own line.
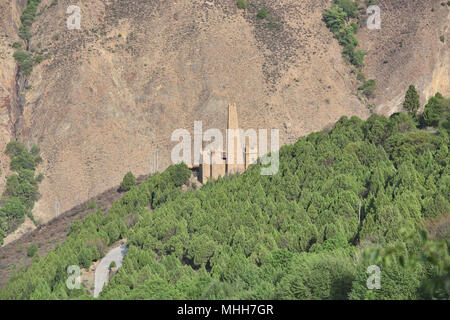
column 102, row 270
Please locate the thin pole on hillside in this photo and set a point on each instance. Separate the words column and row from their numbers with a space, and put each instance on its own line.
column 154, row 167
column 56, row 209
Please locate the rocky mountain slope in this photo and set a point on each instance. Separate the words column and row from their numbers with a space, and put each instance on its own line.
column 110, row 94
column 412, row 47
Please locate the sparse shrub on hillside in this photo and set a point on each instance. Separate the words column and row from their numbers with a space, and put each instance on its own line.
column 25, row 61
column 27, row 67
column 360, row 76
column 242, row 4
column 38, row 59
column 337, row 20
column 21, row 56
column 12, row 214
column 40, row 177
column 368, row 88
column 349, row 7
column 35, row 150
column 24, row 160
column 262, row 14
column 129, row 180
column 24, row 32
column 358, row 58
column 21, row 189
column 412, row 101
column 27, row 19
column 32, row 250
column 14, row 148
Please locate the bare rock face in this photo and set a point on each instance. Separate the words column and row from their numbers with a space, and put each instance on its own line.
column 10, row 11
column 408, row 50
column 110, row 94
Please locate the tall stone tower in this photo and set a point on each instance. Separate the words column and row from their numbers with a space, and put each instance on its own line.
column 235, row 150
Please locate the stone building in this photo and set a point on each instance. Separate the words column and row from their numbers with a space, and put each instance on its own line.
column 235, row 159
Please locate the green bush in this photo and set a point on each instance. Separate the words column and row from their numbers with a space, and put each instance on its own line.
column 436, row 111
column 21, row 189
column 12, row 184
column 27, row 67
column 262, row 14
column 336, row 20
column 358, row 58
column 24, row 160
column 24, row 32
column 21, row 56
column 368, row 88
column 12, row 214
column 24, row 58
column 32, row 250
column 38, row 59
column 242, row 4
column 25, row 61
column 129, row 180
column 86, row 256
column 349, row 7
column 179, row 173
column 14, row 148
column 40, row 177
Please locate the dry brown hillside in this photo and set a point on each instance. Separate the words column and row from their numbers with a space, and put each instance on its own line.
column 10, row 11
column 408, row 50
column 110, row 94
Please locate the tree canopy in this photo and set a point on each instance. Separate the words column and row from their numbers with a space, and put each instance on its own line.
column 302, row 233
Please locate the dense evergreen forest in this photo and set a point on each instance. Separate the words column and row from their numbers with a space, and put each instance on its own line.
column 363, row 194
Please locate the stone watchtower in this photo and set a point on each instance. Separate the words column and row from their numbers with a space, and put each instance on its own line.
column 235, row 159
column 235, row 150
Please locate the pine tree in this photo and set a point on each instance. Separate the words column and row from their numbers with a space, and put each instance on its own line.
column 411, row 103
column 129, row 180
